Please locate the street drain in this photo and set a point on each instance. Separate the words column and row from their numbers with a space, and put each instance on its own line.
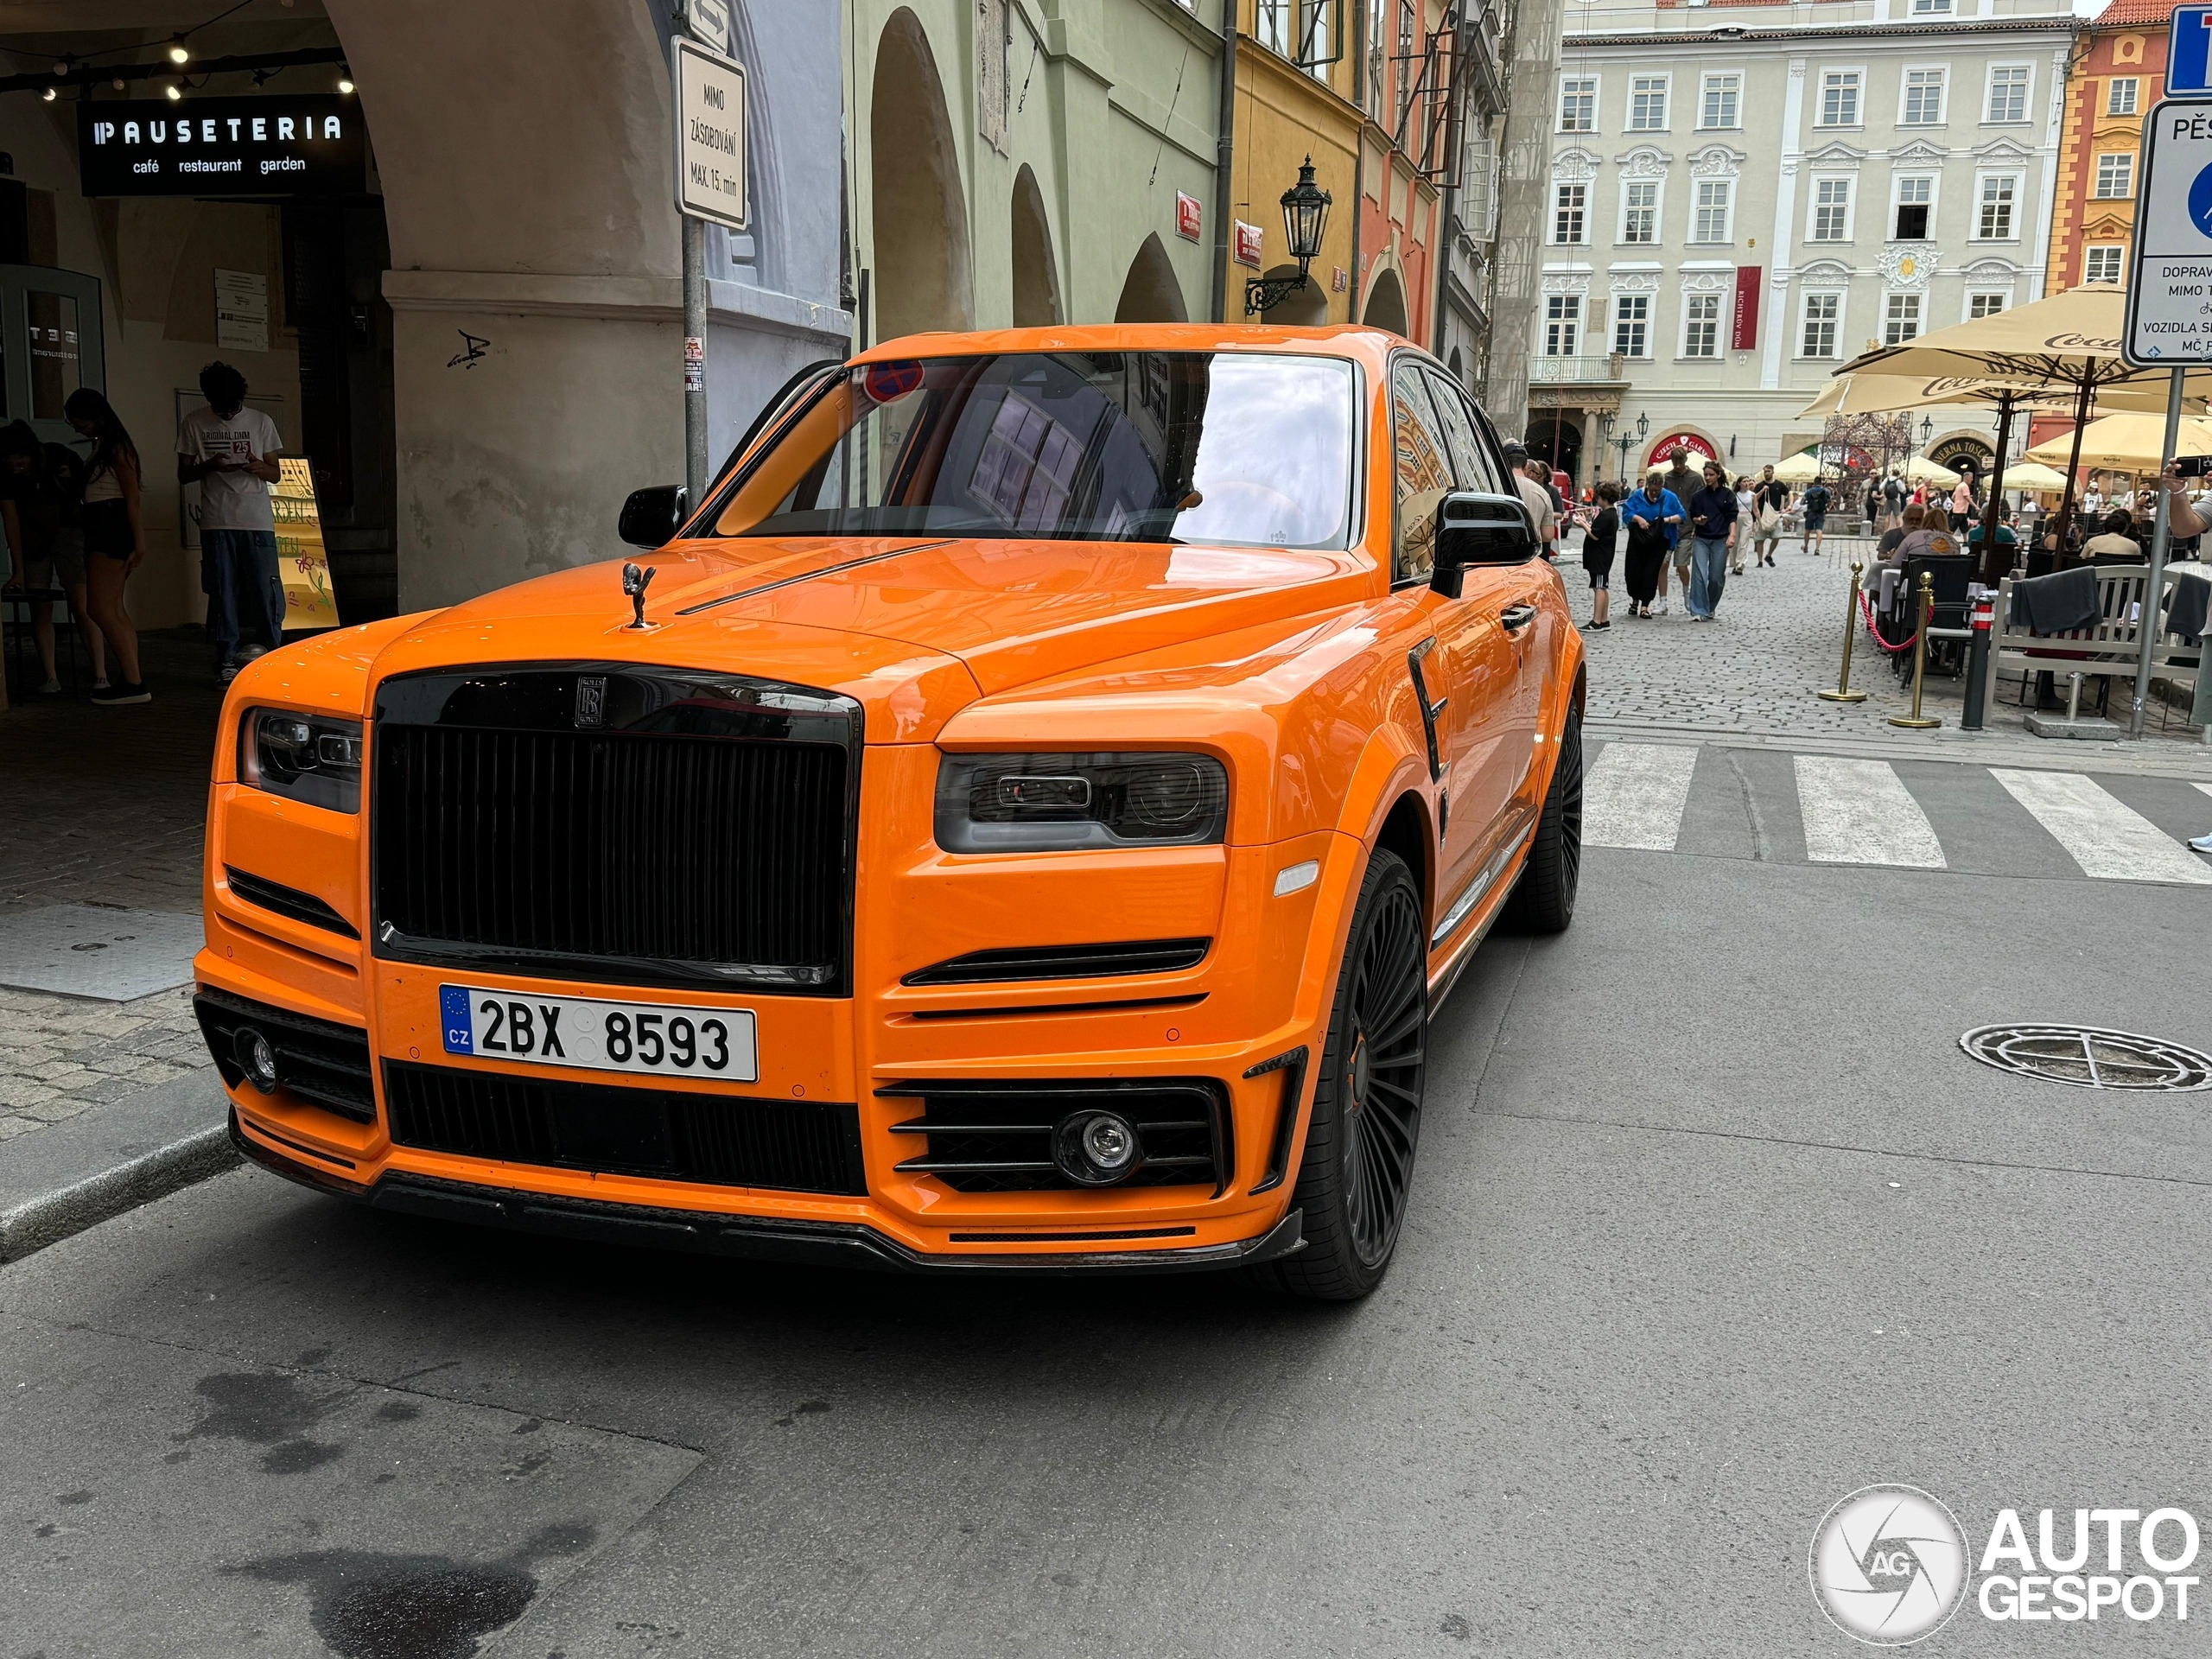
column 2086, row 1057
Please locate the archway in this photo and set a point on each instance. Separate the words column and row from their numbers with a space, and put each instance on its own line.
column 1150, row 292
column 1302, row 308
column 1386, row 304
column 1036, row 282
column 920, row 216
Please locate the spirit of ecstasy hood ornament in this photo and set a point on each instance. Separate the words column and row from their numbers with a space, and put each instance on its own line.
column 635, row 579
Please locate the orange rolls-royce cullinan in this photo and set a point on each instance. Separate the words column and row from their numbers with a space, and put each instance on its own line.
column 1023, row 819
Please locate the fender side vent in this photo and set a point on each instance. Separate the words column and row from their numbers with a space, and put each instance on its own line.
column 264, row 894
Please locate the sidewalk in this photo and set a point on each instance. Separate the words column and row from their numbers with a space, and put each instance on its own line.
column 106, row 808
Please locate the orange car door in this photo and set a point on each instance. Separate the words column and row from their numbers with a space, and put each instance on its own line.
column 1461, row 661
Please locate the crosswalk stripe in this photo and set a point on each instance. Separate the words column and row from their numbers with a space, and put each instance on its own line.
column 1861, row 812
column 1635, row 794
column 2108, row 840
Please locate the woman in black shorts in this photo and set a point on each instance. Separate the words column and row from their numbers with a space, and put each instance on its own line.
column 115, row 541
column 1598, row 553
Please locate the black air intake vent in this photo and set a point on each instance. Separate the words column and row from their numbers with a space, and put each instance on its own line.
column 259, row 890
column 997, row 1137
column 322, row 1063
column 1063, row 962
column 723, row 1140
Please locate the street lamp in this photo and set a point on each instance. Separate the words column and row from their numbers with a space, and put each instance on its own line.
column 1305, row 212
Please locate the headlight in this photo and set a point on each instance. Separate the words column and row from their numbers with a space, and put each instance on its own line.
column 1064, row 803
column 309, row 757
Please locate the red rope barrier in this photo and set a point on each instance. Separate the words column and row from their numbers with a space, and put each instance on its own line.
column 1867, row 606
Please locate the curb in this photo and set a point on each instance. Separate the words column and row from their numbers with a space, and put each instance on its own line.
column 54, row 1217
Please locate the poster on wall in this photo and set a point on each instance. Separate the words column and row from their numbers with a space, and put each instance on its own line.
column 301, row 558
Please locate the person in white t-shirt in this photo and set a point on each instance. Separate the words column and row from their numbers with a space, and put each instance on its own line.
column 229, row 451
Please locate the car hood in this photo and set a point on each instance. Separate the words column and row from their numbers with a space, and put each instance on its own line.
column 901, row 623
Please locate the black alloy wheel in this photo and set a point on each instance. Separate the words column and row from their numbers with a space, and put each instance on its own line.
column 1357, row 1171
column 1543, row 899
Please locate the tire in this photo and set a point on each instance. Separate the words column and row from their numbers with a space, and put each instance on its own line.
column 1365, row 1124
column 1543, row 899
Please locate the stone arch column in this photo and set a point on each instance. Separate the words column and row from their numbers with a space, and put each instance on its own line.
column 1150, row 292
column 1036, row 275
column 1386, row 303
column 919, row 211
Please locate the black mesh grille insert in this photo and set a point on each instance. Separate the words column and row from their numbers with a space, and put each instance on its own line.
column 322, row 1063
column 725, row 1140
column 1063, row 961
column 669, row 858
column 997, row 1136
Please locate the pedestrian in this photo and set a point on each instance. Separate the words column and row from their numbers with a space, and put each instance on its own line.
column 1654, row 516
column 1682, row 484
column 1870, row 511
column 115, row 537
column 1747, row 512
column 1962, row 501
column 1598, row 546
column 2092, row 504
column 1547, row 526
column 1773, row 496
column 229, row 451
column 1713, row 525
column 1892, row 501
column 41, row 506
column 1816, row 514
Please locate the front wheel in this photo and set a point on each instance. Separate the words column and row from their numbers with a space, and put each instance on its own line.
column 1543, row 899
column 1358, row 1166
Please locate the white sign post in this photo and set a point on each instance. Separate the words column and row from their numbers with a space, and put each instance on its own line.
column 708, row 92
column 2168, row 311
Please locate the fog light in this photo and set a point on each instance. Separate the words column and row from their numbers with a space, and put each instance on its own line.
column 1098, row 1149
column 256, row 1058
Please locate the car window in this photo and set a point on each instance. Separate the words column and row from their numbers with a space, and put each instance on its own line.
column 1422, row 471
column 1470, row 462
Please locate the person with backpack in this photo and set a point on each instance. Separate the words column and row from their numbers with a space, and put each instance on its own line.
column 1816, row 514
column 41, row 508
column 1654, row 516
column 1892, row 502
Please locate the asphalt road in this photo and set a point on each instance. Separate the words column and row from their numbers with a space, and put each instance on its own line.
column 1712, row 1224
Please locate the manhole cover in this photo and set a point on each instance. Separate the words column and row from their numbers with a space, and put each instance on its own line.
column 2088, row 1057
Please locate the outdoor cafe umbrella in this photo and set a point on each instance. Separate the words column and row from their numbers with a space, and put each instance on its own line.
column 1800, row 468
column 1852, row 392
column 2034, row 477
column 2130, row 443
column 1922, row 470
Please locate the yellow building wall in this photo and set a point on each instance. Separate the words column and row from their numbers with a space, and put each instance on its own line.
column 1283, row 116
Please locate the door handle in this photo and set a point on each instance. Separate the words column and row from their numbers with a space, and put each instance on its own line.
column 1514, row 618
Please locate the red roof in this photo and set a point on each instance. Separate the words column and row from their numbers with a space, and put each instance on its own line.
column 2124, row 13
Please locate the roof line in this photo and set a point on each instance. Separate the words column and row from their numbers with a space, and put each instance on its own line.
column 1727, row 35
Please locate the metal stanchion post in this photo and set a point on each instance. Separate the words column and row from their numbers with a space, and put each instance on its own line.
column 1843, row 693
column 1915, row 720
column 1985, row 616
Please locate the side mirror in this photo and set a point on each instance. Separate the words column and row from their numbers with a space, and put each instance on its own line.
column 1475, row 528
column 651, row 518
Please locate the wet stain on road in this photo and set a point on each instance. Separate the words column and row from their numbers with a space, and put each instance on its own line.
column 267, row 1410
column 371, row 1604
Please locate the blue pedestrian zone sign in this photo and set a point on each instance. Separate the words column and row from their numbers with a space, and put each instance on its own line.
column 2189, row 55
column 2170, row 288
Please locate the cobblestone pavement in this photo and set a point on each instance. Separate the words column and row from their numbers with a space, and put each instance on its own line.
column 103, row 806
column 1776, row 639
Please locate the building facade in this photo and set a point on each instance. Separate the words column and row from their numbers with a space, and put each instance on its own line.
column 1742, row 198
column 2119, row 71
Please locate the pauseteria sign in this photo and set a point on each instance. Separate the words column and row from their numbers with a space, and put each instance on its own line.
column 307, row 144
column 2170, row 290
column 709, row 134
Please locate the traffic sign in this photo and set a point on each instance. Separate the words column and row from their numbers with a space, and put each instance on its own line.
column 2189, row 53
column 2170, row 290
column 709, row 134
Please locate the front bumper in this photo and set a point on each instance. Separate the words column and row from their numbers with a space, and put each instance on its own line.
column 813, row 1244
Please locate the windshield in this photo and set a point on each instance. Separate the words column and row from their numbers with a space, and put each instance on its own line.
column 1223, row 448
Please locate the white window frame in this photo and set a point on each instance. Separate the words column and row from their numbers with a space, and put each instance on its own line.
column 1582, row 209
column 1804, row 316
column 1622, row 302
column 1943, row 73
column 1857, row 73
column 2125, row 168
column 1813, row 204
column 1890, row 301
column 1974, row 293
column 1981, row 183
column 2113, row 105
column 1666, row 79
column 1560, row 115
column 1989, row 95
column 1932, row 8
column 1727, row 236
column 1707, row 86
column 1690, row 304
column 1657, row 186
column 1563, row 312
column 2119, row 262
column 1897, row 180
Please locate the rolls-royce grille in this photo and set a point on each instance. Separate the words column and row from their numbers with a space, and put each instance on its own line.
column 651, row 857
column 789, row 1145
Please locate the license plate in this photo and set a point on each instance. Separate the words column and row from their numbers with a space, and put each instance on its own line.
column 668, row 1039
